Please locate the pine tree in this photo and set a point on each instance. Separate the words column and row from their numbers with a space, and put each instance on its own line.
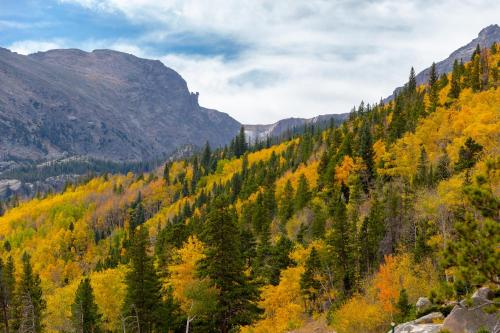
column 412, row 82
column 30, row 304
column 341, row 243
column 494, row 48
column 367, row 154
column 371, row 234
column 477, row 52
column 475, row 73
column 84, row 311
column 166, row 174
column 455, row 81
column 422, row 176
column 433, row 89
column 443, row 167
column 223, row 264
column 7, row 290
column 303, row 194
column 206, row 158
column 286, row 207
column 404, row 307
column 137, row 214
column 143, row 304
column 468, row 155
column 309, row 283
column 240, row 143
column 318, row 223
column 280, row 258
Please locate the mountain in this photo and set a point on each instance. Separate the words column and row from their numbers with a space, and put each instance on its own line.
column 261, row 132
column 486, row 37
column 352, row 227
column 101, row 104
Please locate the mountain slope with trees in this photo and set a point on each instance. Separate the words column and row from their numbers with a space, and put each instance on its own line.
column 352, row 224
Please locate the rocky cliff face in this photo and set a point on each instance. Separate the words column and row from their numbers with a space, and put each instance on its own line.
column 101, row 104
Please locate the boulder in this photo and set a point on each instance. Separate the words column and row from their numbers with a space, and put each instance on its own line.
column 423, row 304
column 431, row 318
column 425, row 324
column 470, row 319
column 484, row 293
column 412, row 328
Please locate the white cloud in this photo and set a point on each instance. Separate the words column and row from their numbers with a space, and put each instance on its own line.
column 32, row 46
column 317, row 56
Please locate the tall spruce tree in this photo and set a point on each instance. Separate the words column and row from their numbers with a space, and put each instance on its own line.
column 309, row 284
column 7, row 289
column 455, row 81
column 367, row 154
column 84, row 311
column 166, row 174
column 412, row 82
column 137, row 213
column 286, row 207
column 433, row 89
column 223, row 264
column 143, row 306
column 303, row 194
column 341, row 242
column 423, row 176
column 30, row 304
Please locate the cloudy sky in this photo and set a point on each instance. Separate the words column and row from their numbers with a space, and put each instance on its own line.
column 261, row 60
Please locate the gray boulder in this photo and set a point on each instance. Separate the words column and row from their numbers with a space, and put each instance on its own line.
column 423, row 304
column 463, row 319
column 431, row 318
column 483, row 293
column 425, row 324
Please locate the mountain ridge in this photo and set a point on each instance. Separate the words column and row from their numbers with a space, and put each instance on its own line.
column 485, row 38
column 102, row 104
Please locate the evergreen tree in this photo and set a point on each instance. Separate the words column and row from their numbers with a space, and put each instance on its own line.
column 7, row 290
column 280, row 258
column 137, row 214
column 166, row 174
column 371, row 234
column 309, row 283
column 303, row 194
column 433, row 89
column 286, row 207
column 412, row 82
column 84, row 311
column 475, row 73
column 473, row 253
column 206, row 158
column 143, row 304
column 318, row 223
column 422, row 176
column 367, row 154
column 477, row 52
column 455, row 81
column 341, row 243
column 404, row 307
column 30, row 304
column 443, row 81
column 443, row 167
column 223, row 264
column 494, row 48
column 468, row 155
column 240, row 143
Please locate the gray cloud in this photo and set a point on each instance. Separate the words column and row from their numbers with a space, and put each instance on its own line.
column 298, row 58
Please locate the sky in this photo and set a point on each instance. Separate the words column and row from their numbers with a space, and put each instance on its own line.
column 261, row 60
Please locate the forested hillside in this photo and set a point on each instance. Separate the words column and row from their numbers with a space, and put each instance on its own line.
column 349, row 224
